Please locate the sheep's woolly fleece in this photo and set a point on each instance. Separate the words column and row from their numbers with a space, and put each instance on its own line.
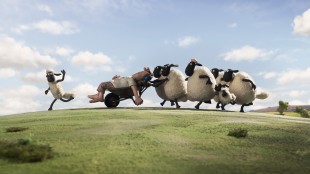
column 175, row 87
column 197, row 90
column 243, row 90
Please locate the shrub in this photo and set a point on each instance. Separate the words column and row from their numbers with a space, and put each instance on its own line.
column 283, row 106
column 303, row 112
column 238, row 132
column 16, row 129
column 25, row 151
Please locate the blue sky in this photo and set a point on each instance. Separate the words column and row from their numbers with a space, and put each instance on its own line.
column 94, row 40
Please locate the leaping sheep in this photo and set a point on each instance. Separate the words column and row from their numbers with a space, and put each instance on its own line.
column 56, row 88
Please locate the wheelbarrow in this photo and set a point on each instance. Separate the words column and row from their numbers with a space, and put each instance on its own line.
column 117, row 95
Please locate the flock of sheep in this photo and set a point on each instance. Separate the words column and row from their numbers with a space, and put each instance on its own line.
column 203, row 85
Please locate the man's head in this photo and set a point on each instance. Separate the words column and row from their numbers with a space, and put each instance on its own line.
column 142, row 74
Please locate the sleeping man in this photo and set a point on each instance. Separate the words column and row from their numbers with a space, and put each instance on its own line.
column 122, row 82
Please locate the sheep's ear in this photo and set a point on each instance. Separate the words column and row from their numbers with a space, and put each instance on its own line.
column 56, row 74
column 235, row 71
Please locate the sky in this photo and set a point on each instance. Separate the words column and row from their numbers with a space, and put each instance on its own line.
column 93, row 40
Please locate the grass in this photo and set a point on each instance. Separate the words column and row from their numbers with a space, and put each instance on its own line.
column 292, row 114
column 16, row 129
column 23, row 150
column 147, row 140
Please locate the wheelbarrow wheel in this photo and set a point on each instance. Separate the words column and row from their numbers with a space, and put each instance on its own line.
column 111, row 100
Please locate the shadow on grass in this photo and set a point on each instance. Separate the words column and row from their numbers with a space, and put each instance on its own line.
column 23, row 150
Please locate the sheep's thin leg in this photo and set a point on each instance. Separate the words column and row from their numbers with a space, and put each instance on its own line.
column 177, row 104
column 198, row 104
column 223, row 107
column 162, row 103
column 218, row 105
column 172, row 102
column 241, row 110
column 51, row 106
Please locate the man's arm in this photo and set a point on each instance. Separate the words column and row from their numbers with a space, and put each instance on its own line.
column 138, row 99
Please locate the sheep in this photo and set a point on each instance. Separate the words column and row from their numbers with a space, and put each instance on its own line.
column 201, row 83
column 159, row 84
column 172, row 85
column 218, row 75
column 243, row 87
column 56, row 88
column 225, row 97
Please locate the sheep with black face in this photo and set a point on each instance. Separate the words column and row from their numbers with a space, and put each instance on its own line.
column 56, row 88
column 170, row 84
column 218, row 75
column 243, row 87
column 225, row 97
column 201, row 83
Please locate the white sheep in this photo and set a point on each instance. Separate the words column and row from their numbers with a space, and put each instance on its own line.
column 56, row 88
column 218, row 75
column 173, row 85
column 200, row 83
column 226, row 97
column 243, row 87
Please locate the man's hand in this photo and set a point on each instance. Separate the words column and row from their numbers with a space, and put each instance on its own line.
column 138, row 101
column 194, row 60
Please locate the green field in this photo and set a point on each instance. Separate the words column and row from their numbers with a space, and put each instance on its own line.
column 156, row 140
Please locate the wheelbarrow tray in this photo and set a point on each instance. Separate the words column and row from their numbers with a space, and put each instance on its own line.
column 123, row 92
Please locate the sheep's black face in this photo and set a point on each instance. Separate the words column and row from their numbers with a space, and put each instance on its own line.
column 50, row 78
column 228, row 76
column 157, row 71
column 166, row 70
column 224, row 94
column 189, row 71
column 215, row 72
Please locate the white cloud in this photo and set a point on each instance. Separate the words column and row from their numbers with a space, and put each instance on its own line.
column 301, row 24
column 187, row 41
column 246, row 53
column 91, row 61
column 46, row 8
column 295, row 77
column 19, row 100
column 268, row 75
column 81, row 92
column 297, row 93
column 40, row 77
column 16, row 55
column 7, row 73
column 50, row 27
column 296, row 102
column 63, row 51
column 233, row 25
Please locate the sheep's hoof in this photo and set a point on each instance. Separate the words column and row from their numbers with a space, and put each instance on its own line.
column 50, row 109
column 197, row 107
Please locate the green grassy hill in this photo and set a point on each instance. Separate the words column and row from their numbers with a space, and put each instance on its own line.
column 155, row 140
